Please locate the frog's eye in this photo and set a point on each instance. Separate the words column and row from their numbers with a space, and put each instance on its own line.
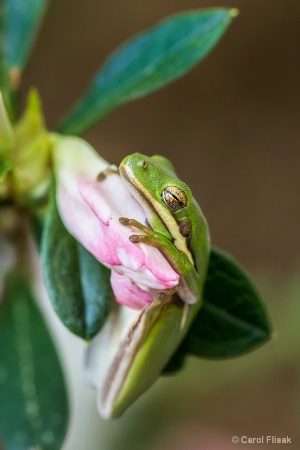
column 174, row 198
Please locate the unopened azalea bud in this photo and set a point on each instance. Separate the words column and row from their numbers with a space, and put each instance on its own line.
column 7, row 136
column 7, row 143
column 31, row 154
column 130, row 352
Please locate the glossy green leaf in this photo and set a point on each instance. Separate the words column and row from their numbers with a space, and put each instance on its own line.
column 232, row 319
column 78, row 285
column 33, row 401
column 22, row 20
column 147, row 63
column 2, row 58
column 19, row 23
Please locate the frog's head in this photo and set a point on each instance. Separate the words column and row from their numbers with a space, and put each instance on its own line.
column 154, row 183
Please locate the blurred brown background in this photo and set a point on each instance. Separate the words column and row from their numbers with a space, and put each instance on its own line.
column 231, row 126
column 232, row 129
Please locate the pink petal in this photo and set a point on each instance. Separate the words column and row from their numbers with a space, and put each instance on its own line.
column 128, row 293
column 90, row 210
column 110, row 198
column 132, row 256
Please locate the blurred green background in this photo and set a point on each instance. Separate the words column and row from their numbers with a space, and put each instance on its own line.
column 232, row 129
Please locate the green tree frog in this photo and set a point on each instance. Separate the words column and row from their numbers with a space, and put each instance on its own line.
column 177, row 226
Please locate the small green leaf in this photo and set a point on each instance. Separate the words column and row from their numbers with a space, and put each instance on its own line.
column 32, row 153
column 78, row 285
column 232, row 319
column 5, row 167
column 21, row 23
column 3, row 68
column 33, row 407
column 7, row 134
column 147, row 63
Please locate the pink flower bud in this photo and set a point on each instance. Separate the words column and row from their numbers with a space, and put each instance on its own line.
column 91, row 206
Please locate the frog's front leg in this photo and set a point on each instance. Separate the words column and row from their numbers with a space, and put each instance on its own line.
column 190, row 285
column 111, row 170
column 135, row 224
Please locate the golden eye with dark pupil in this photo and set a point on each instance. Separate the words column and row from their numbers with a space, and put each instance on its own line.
column 174, row 198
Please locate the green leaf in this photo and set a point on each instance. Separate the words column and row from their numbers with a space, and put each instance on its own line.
column 5, row 167
column 22, row 20
column 232, row 319
column 33, row 407
column 19, row 23
column 78, row 285
column 7, row 134
column 147, row 63
column 2, row 54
